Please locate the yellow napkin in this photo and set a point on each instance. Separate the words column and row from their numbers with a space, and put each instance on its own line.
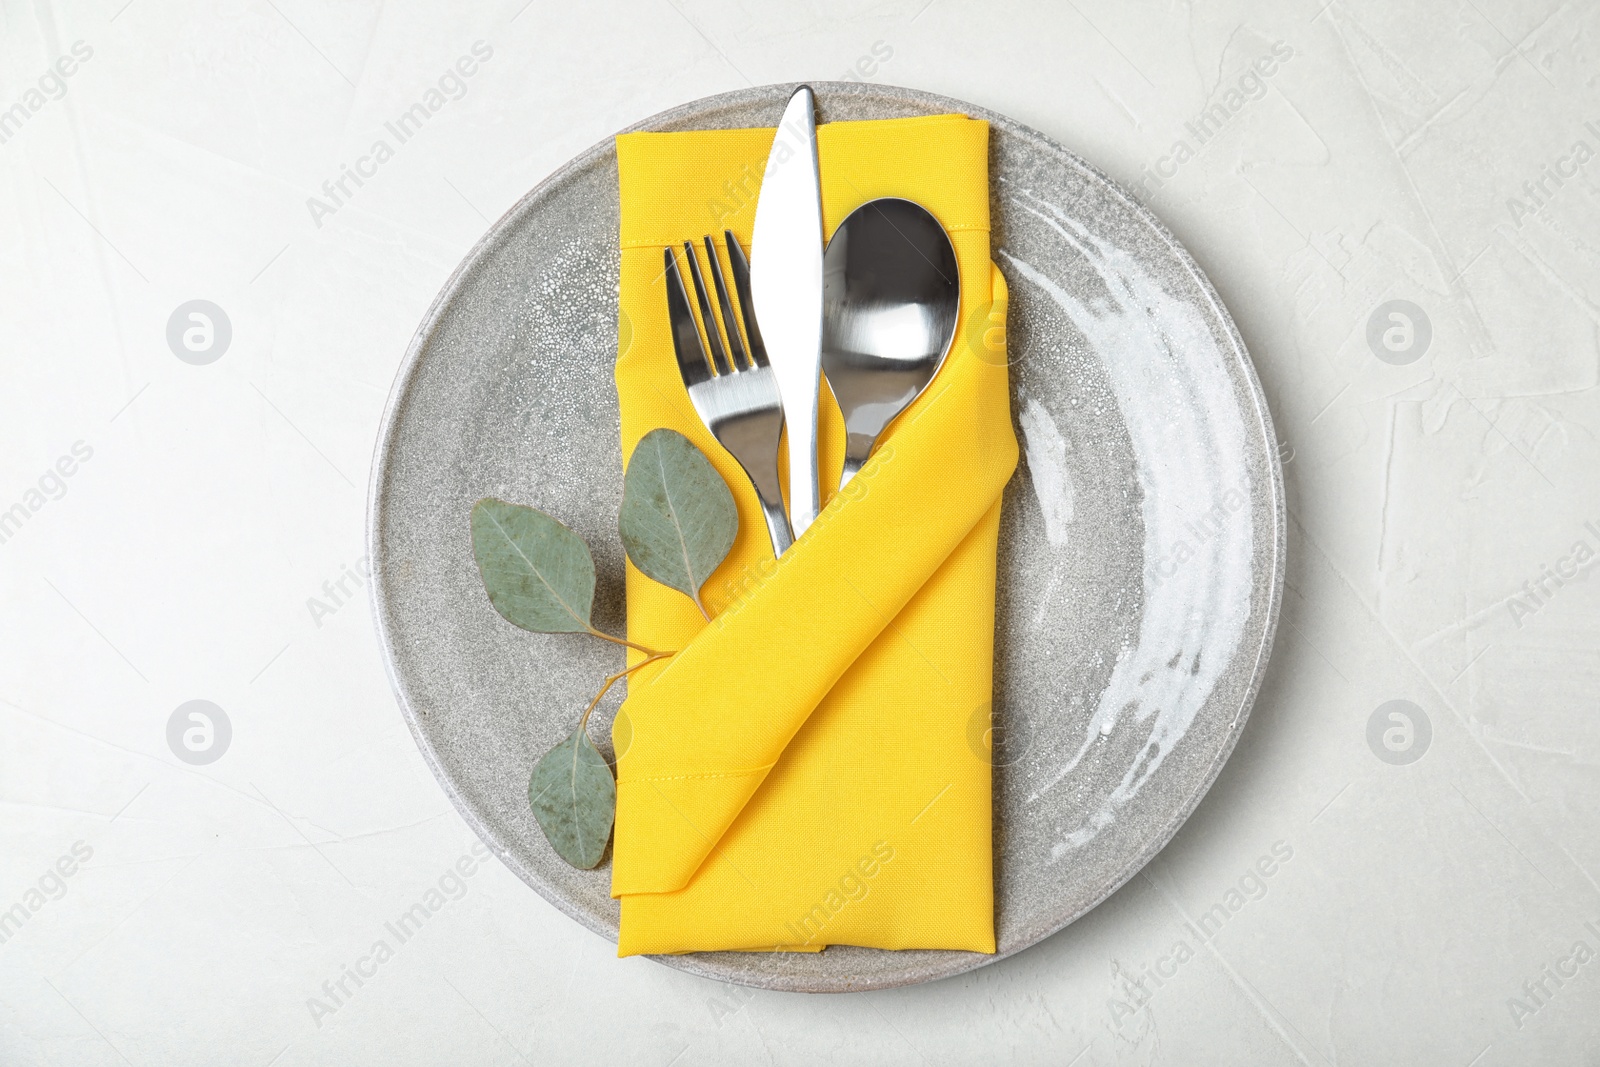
column 811, row 767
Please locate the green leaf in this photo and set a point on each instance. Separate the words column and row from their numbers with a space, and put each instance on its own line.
column 538, row 573
column 574, row 798
column 678, row 517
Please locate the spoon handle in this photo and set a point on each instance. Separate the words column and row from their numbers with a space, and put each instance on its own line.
column 857, row 450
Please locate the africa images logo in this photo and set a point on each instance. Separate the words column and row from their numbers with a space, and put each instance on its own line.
column 451, row 85
column 51, row 485
column 1137, row 988
column 1552, row 577
column 51, row 85
column 50, row 886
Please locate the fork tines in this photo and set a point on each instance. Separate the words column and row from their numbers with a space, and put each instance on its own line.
column 731, row 386
column 689, row 349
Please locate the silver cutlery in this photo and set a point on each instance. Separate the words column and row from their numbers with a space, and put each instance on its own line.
column 891, row 299
column 733, row 388
column 786, row 275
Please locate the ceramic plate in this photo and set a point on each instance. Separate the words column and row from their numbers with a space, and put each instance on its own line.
column 1141, row 553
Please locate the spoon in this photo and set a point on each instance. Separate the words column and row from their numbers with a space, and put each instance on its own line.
column 891, row 295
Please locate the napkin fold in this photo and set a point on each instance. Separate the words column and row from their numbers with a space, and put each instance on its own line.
column 811, row 767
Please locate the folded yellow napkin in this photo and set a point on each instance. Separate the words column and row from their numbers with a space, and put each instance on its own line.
column 811, row 768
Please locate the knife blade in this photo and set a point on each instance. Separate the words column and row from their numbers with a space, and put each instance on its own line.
column 786, row 286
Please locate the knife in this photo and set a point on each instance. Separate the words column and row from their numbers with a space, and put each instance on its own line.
column 786, row 286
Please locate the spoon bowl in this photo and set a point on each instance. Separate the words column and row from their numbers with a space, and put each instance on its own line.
column 891, row 297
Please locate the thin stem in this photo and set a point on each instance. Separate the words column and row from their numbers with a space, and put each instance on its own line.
column 612, row 680
column 702, row 607
column 624, row 641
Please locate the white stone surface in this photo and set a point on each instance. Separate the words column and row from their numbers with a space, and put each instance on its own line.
column 1385, row 159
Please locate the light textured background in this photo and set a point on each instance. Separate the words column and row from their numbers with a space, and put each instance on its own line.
column 1396, row 155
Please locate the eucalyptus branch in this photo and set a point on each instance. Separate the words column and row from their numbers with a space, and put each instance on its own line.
column 678, row 523
column 625, row 642
column 613, row 679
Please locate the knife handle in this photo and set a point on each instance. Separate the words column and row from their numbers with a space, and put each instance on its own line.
column 805, row 488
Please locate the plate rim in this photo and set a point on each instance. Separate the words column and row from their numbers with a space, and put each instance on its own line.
column 405, row 379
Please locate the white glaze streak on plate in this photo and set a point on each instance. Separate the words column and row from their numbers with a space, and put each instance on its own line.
column 1045, row 452
column 1168, row 379
column 1122, row 680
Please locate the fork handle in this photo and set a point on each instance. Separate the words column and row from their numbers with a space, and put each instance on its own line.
column 777, row 525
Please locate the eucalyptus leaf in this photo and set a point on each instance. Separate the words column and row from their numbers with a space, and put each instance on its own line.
column 538, row 573
column 574, row 797
column 678, row 517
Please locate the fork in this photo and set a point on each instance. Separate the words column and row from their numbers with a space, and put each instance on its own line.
column 733, row 388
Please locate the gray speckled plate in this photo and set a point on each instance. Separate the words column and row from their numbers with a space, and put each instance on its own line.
column 1141, row 554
